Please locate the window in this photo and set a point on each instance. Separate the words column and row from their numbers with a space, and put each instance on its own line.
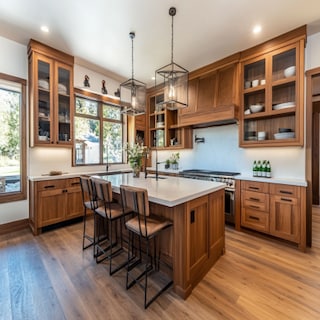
column 13, row 184
column 98, row 132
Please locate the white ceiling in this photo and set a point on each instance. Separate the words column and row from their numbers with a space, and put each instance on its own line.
column 97, row 31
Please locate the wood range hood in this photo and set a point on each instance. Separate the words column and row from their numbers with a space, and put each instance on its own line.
column 213, row 95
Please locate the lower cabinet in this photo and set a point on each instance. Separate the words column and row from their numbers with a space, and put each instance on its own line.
column 275, row 209
column 53, row 201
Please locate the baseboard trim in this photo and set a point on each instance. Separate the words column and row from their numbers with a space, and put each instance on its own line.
column 14, row 226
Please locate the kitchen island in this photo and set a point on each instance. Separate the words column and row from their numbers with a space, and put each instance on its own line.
column 197, row 238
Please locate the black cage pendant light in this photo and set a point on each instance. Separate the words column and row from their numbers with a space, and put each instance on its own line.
column 174, row 79
column 133, row 92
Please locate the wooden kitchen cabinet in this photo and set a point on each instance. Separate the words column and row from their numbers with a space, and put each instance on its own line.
column 53, row 201
column 213, row 95
column 206, row 229
column 265, row 83
column 285, row 212
column 275, row 209
column 255, row 205
column 51, row 98
column 164, row 130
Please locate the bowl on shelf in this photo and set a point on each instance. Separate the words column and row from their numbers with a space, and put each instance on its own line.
column 42, row 138
column 256, row 108
column 284, row 135
column 290, row 71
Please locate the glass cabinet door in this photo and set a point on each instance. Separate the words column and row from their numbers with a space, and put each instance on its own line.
column 63, row 104
column 44, row 102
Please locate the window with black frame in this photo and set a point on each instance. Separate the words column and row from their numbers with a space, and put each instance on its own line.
column 98, row 132
column 13, row 186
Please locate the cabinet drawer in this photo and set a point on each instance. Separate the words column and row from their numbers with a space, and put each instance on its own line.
column 285, row 190
column 256, row 220
column 51, row 184
column 255, row 200
column 255, row 186
column 73, row 182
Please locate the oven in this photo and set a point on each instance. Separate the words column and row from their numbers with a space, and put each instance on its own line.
column 219, row 176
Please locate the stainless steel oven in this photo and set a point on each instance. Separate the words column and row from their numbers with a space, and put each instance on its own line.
column 219, row 176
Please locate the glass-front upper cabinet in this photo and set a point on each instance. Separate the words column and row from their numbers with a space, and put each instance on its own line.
column 51, row 96
column 272, row 95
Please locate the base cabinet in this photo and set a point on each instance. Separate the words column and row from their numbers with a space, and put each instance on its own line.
column 275, row 209
column 285, row 213
column 54, row 201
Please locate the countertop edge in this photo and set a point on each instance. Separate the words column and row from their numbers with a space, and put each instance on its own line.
column 289, row 181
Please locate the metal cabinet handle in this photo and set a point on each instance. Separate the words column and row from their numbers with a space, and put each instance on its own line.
column 285, row 192
column 254, row 207
column 49, row 187
column 254, row 188
column 284, row 199
column 254, row 218
column 192, row 216
column 254, row 199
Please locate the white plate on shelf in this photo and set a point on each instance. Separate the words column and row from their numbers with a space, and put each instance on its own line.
column 284, row 135
column 284, row 105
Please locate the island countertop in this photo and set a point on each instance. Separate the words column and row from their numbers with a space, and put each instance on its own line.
column 167, row 191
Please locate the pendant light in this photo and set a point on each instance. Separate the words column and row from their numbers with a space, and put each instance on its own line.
column 133, row 92
column 174, row 79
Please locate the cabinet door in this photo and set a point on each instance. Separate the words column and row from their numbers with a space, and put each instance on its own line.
column 285, row 217
column 52, row 206
column 43, row 100
column 74, row 199
column 63, row 102
column 199, row 251
column 192, row 98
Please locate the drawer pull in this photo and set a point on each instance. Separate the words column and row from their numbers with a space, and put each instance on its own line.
column 192, row 216
column 75, row 183
column 254, row 218
column 285, row 192
column 253, row 188
column 254, row 199
column 49, row 187
column 284, row 199
column 254, row 207
column 64, row 190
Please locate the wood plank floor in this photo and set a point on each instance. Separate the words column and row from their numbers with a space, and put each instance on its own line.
column 49, row 277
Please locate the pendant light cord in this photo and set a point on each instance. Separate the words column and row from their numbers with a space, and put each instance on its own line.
column 172, row 39
column 132, row 35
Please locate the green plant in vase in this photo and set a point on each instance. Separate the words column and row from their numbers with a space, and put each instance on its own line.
column 174, row 160
column 135, row 153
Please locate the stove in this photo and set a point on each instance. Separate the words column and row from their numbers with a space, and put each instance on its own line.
column 219, row 176
column 209, row 175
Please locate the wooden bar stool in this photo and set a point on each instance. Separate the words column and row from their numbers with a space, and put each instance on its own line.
column 111, row 212
column 147, row 227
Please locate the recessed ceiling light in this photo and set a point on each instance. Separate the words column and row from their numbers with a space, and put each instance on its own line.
column 256, row 29
column 44, row 29
column 153, row 78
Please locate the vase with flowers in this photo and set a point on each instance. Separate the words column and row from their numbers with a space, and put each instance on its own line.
column 135, row 153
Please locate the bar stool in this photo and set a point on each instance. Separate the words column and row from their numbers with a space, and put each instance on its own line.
column 89, row 203
column 147, row 227
column 111, row 212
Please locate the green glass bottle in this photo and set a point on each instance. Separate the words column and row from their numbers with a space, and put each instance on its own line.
column 259, row 169
column 254, row 168
column 268, row 171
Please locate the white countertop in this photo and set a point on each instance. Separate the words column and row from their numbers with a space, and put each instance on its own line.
column 167, row 191
column 294, row 182
column 75, row 174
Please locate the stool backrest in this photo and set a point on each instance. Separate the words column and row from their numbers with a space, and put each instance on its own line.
column 87, row 189
column 103, row 190
column 135, row 199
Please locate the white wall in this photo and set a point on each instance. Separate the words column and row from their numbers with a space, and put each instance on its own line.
column 221, row 152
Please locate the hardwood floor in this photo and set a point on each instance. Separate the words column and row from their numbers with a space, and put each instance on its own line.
column 49, row 277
